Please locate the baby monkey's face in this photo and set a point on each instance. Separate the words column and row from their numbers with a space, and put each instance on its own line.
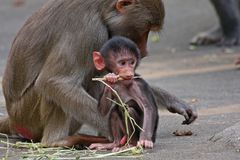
column 124, row 65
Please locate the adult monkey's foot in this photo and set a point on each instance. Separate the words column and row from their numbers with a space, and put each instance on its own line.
column 117, row 149
column 212, row 36
column 215, row 36
column 104, row 146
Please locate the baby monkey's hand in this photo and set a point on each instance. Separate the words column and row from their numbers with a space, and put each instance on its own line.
column 111, row 77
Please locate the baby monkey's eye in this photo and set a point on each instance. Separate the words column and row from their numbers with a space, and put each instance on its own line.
column 123, row 63
column 132, row 62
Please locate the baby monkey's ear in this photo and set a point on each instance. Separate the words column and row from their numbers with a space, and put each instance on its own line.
column 98, row 61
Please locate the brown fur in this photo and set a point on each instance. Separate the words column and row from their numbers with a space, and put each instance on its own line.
column 49, row 70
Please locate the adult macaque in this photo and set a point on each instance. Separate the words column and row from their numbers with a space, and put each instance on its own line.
column 47, row 82
column 228, row 32
column 120, row 56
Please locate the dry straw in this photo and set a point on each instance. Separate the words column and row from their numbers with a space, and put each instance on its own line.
column 36, row 151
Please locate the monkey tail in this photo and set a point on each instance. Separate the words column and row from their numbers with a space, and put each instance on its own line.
column 5, row 126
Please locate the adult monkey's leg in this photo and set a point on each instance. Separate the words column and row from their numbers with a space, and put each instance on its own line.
column 228, row 32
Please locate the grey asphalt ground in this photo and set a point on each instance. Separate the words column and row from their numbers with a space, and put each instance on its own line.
column 203, row 76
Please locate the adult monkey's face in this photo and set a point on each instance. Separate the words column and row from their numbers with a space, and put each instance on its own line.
column 135, row 19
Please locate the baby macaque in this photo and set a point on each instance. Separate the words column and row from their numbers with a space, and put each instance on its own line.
column 120, row 57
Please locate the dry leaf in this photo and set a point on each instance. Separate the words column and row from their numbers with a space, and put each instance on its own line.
column 183, row 133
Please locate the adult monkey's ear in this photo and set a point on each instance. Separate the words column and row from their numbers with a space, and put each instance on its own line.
column 98, row 61
column 122, row 4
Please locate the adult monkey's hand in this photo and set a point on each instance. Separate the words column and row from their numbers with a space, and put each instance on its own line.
column 174, row 105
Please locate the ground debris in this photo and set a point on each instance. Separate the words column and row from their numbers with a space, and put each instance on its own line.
column 183, row 133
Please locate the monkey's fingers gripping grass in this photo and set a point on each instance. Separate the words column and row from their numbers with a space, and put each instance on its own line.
column 120, row 78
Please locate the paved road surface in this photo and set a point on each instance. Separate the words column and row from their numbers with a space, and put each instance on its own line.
column 205, row 75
